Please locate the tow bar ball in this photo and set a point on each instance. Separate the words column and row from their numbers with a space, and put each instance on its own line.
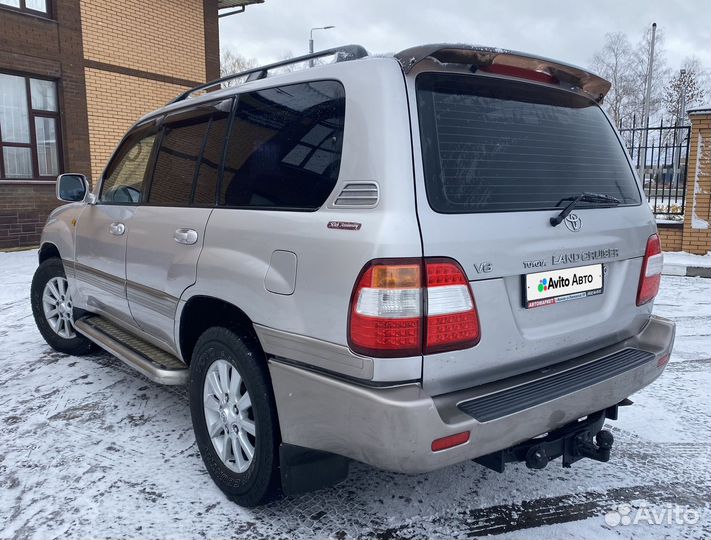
column 574, row 448
column 536, row 458
column 604, row 439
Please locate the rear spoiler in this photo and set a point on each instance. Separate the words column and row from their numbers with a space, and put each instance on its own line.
column 572, row 77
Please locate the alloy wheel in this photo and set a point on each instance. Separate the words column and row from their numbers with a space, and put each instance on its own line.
column 229, row 416
column 58, row 307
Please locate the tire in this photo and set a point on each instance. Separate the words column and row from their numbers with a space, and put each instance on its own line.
column 219, row 357
column 58, row 330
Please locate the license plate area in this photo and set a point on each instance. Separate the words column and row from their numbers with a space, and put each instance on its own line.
column 555, row 286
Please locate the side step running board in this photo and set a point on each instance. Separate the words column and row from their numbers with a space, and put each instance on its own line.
column 154, row 363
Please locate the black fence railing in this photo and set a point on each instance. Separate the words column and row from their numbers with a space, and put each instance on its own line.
column 664, row 150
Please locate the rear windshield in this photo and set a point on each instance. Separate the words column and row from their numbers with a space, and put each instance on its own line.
column 492, row 145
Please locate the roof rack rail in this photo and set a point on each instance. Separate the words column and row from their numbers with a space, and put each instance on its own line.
column 343, row 54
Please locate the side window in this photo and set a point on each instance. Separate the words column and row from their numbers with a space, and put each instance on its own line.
column 209, row 166
column 176, row 163
column 123, row 180
column 284, row 150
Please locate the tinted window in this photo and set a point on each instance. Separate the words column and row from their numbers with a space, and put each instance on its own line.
column 209, row 166
column 284, row 149
column 174, row 171
column 491, row 145
column 123, row 180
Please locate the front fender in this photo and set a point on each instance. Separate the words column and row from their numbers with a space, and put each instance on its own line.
column 60, row 230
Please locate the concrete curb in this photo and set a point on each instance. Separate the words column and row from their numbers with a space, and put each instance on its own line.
column 16, row 249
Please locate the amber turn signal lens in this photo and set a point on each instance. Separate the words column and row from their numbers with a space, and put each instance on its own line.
column 396, row 277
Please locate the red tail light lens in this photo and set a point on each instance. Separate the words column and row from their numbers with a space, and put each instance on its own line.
column 388, row 315
column 452, row 319
column 651, row 274
column 386, row 309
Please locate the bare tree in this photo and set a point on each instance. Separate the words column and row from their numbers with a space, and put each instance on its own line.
column 232, row 62
column 685, row 89
column 612, row 62
column 626, row 66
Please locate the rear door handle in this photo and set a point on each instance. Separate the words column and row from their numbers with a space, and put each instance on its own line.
column 186, row 236
column 117, row 229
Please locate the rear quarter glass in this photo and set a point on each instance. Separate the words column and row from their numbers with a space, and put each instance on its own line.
column 497, row 145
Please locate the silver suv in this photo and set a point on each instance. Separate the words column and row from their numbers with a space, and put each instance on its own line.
column 408, row 261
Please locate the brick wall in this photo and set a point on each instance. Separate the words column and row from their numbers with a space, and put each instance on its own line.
column 113, row 61
column 160, row 36
column 23, row 211
column 671, row 236
column 697, row 215
column 115, row 101
column 49, row 48
column 138, row 56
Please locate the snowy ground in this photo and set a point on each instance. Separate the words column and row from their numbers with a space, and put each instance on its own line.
column 676, row 262
column 687, row 259
column 90, row 449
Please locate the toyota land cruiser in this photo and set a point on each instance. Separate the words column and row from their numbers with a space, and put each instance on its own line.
column 409, row 261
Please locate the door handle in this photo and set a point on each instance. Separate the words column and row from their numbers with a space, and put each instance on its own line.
column 186, row 236
column 117, row 229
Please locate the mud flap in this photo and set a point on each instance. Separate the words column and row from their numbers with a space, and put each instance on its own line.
column 303, row 470
column 574, row 441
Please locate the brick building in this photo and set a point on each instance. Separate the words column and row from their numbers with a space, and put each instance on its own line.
column 74, row 76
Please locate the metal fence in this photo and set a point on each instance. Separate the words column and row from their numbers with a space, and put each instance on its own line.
column 664, row 150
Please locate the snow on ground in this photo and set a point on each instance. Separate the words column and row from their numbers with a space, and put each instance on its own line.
column 90, row 449
column 687, row 259
column 676, row 262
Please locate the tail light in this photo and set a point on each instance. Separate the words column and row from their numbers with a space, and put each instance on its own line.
column 452, row 320
column 406, row 307
column 651, row 274
column 386, row 309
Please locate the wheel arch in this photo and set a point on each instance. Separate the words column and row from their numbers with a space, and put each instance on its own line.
column 48, row 250
column 202, row 312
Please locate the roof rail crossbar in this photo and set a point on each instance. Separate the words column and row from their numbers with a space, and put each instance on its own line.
column 343, row 54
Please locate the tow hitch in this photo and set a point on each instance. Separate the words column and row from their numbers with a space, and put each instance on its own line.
column 574, row 441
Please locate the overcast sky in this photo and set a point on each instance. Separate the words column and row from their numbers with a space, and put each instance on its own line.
column 564, row 30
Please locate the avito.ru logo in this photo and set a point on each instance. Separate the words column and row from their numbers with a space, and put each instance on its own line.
column 560, row 281
column 551, row 283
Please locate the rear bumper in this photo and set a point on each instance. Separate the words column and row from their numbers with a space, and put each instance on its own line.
column 393, row 428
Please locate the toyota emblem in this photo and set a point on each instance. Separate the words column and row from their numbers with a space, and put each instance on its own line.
column 573, row 222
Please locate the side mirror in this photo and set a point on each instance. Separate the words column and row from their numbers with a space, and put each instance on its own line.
column 72, row 187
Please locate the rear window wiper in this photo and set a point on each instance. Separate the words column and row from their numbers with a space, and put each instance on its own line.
column 583, row 197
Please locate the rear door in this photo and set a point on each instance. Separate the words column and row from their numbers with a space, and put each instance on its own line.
column 167, row 230
column 499, row 157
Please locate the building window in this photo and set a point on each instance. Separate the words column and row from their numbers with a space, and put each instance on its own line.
column 39, row 7
column 29, row 128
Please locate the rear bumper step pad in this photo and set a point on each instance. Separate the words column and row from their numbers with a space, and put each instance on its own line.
column 524, row 396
